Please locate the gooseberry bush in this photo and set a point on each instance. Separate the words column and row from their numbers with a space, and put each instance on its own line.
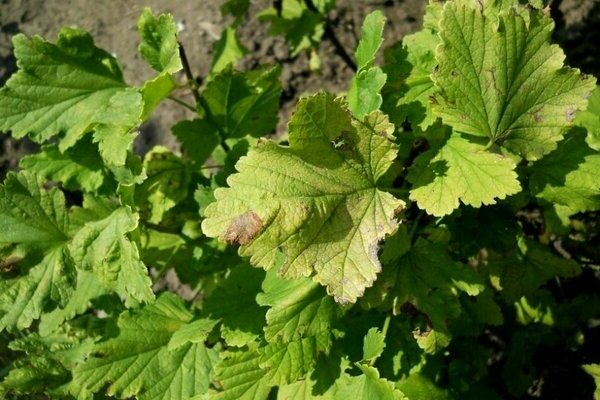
column 432, row 233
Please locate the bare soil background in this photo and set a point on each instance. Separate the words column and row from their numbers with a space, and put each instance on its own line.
column 113, row 25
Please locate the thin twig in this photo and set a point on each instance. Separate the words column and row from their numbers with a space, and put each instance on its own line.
column 188, row 73
column 330, row 35
column 200, row 101
column 182, row 103
column 413, row 229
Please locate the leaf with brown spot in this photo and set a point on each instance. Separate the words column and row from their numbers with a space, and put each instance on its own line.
column 313, row 208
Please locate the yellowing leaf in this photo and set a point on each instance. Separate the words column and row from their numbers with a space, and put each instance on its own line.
column 313, row 206
column 501, row 78
column 463, row 171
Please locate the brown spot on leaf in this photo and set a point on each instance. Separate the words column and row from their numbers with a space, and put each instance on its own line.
column 539, row 118
column 570, row 114
column 244, row 228
column 9, row 263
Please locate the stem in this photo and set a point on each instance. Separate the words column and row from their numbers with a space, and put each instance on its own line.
column 413, row 230
column 200, row 101
column 188, row 73
column 386, row 325
column 330, row 34
column 212, row 166
column 183, row 103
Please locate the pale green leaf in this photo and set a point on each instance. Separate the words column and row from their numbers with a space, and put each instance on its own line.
column 364, row 94
column 78, row 168
column 240, row 378
column 314, row 205
column 159, row 41
column 137, row 361
column 299, row 308
column 103, row 248
column 569, row 176
column 590, row 120
column 114, row 130
column 193, row 332
column 502, row 79
column 367, row 386
column 64, row 88
column 594, row 371
column 370, row 40
column 167, row 183
column 419, row 387
column 461, row 171
column 227, row 50
column 373, row 344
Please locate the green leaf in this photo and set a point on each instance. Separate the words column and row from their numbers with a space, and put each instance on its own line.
column 594, row 371
column 569, row 175
column 240, row 378
column 78, row 168
column 364, row 94
column 137, row 361
column 302, row 28
column 159, row 41
column 114, row 130
column 87, row 288
column 590, row 120
column 25, row 298
column 103, row 248
column 371, row 39
column 44, row 362
column 30, row 214
column 419, row 387
column 314, row 205
column 502, row 79
column 429, row 279
column 237, row 292
column 409, row 88
column 373, row 344
column 299, row 308
column 228, row 50
column 523, row 270
column 197, row 139
column 236, row 8
column 461, row 171
column 193, row 332
column 66, row 88
column 368, row 386
column 285, row 363
column 167, row 184
column 242, row 103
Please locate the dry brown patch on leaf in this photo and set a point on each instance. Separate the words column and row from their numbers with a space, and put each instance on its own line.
column 244, row 228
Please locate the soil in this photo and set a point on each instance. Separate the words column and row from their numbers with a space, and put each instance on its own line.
column 113, row 25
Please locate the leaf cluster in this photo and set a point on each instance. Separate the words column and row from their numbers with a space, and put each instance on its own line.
column 430, row 234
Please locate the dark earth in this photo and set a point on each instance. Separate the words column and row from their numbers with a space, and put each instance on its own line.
column 113, row 25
